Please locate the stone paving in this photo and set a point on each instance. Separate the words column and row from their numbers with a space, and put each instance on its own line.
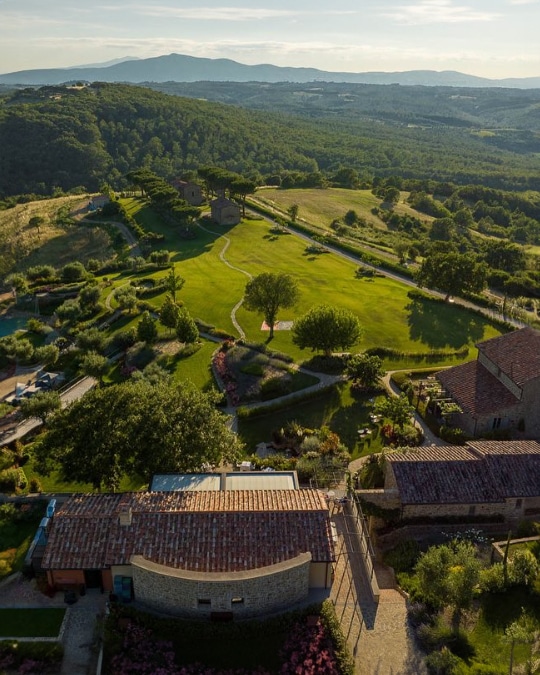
column 378, row 633
column 79, row 638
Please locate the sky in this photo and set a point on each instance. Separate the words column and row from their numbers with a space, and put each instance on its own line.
column 488, row 38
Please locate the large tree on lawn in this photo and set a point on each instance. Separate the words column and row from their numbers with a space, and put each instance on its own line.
column 453, row 273
column 136, row 428
column 327, row 329
column 269, row 292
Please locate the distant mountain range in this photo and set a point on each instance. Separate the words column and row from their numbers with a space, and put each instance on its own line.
column 182, row 68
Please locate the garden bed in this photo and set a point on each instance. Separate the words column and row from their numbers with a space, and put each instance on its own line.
column 308, row 641
column 250, row 374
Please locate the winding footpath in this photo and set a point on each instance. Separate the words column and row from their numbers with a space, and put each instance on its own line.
column 232, row 267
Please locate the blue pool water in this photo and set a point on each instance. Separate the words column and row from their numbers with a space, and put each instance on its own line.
column 10, row 325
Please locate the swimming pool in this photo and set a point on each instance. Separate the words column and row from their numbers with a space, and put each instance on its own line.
column 11, row 324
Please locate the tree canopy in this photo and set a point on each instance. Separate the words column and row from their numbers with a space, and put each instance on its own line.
column 136, row 428
column 448, row 575
column 396, row 408
column 453, row 273
column 269, row 292
column 365, row 371
column 327, row 329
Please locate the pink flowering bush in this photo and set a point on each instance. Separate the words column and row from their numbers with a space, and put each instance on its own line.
column 198, row 669
column 143, row 655
column 309, row 651
column 226, row 375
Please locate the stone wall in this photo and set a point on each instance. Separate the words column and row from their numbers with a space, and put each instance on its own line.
column 434, row 511
column 242, row 594
column 432, row 533
column 384, row 499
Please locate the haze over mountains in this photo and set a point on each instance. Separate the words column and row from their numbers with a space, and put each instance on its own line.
column 183, row 68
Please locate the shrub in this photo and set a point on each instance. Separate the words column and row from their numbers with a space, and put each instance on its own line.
column 492, row 578
column 331, row 365
column 188, row 350
column 274, row 387
column 32, row 658
column 523, row 567
column 372, row 474
column 404, row 556
column 34, row 485
column 309, row 650
column 9, row 480
column 438, row 636
column 442, row 663
column 452, row 435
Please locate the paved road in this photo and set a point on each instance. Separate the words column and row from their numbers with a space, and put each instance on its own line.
column 67, row 396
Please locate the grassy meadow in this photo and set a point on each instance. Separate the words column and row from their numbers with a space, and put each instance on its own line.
column 52, row 244
column 320, row 207
column 389, row 317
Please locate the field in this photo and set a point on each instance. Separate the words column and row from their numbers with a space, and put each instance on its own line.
column 320, row 207
column 389, row 317
column 23, row 245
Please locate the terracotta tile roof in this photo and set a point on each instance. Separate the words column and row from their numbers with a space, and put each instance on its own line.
column 476, row 390
column 499, row 448
column 481, row 472
column 202, row 531
column 517, row 354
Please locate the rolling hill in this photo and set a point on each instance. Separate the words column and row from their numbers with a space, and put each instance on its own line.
column 183, row 68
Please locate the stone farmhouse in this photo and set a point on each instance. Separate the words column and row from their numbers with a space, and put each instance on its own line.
column 189, row 191
column 224, row 211
column 208, row 553
column 483, row 478
column 501, row 389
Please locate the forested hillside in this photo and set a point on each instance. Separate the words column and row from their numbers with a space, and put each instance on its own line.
column 57, row 137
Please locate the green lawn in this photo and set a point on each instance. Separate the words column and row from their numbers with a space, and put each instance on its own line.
column 196, row 368
column 29, row 622
column 497, row 612
column 212, row 289
column 54, row 482
column 17, row 529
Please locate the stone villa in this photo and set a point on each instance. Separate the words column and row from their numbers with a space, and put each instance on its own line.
column 216, row 553
column 501, row 389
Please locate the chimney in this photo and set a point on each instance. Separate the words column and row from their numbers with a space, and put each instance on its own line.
column 125, row 516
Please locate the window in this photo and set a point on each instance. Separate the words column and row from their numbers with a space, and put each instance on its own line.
column 472, row 510
column 204, row 601
column 519, row 502
column 237, row 601
column 496, row 423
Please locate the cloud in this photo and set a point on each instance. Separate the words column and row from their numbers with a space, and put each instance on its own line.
column 437, row 11
column 220, row 13
column 525, row 2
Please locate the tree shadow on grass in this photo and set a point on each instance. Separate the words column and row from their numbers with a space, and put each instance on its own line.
column 442, row 326
column 500, row 609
